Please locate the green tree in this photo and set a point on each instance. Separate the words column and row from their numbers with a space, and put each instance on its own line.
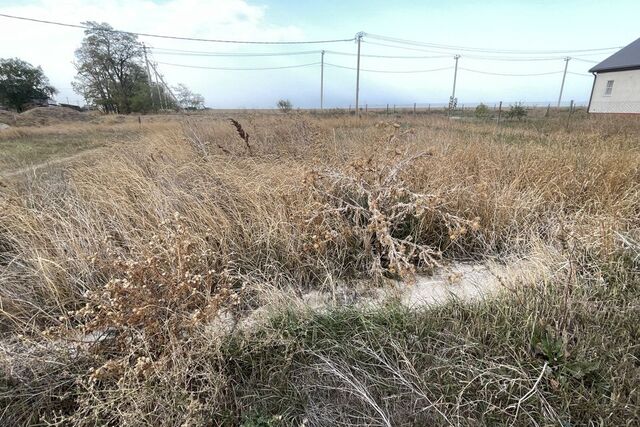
column 110, row 71
column 21, row 82
column 148, row 98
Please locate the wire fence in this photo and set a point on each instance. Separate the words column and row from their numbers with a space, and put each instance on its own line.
column 471, row 108
column 479, row 111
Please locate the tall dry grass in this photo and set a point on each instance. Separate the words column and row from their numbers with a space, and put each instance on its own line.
column 147, row 243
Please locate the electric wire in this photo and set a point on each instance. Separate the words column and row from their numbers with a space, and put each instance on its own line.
column 372, row 70
column 510, row 74
column 162, row 36
column 437, row 51
column 374, row 36
column 239, row 69
column 488, row 57
column 176, row 52
column 388, row 56
column 483, row 50
column 482, row 57
column 180, row 52
column 586, row 60
column 389, row 71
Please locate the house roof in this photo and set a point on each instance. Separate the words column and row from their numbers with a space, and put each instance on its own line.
column 627, row 58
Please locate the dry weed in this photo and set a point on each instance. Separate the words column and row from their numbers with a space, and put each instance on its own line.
column 314, row 201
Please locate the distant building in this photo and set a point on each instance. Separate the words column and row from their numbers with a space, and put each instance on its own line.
column 616, row 84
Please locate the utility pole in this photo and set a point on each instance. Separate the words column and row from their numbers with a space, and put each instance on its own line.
column 146, row 61
column 452, row 101
column 359, row 38
column 169, row 91
column 322, row 80
column 564, row 75
column 160, row 100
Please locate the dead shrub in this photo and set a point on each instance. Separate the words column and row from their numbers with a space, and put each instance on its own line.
column 390, row 229
column 176, row 283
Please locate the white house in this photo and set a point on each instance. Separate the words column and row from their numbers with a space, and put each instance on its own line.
column 616, row 84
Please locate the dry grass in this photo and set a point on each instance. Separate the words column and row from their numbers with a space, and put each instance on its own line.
column 22, row 148
column 160, row 247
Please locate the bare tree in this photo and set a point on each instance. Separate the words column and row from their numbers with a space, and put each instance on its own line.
column 187, row 99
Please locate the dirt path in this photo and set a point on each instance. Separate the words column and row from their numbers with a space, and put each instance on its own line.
column 36, row 167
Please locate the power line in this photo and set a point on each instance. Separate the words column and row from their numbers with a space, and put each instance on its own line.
column 389, row 71
column 402, row 47
column 483, row 50
column 497, row 58
column 374, row 36
column 367, row 69
column 161, row 36
column 434, row 49
column 511, row 75
column 239, row 69
column 482, row 57
column 586, row 60
column 388, row 56
column 301, row 66
column 180, row 52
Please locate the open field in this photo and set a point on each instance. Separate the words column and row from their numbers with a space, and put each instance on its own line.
column 182, row 273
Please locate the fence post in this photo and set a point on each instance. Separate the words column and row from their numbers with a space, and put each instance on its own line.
column 569, row 116
column 366, row 108
column 546, row 114
column 414, row 108
column 429, row 107
column 394, row 108
column 387, row 109
column 499, row 111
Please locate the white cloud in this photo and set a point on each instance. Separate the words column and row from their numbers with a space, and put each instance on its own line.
column 52, row 47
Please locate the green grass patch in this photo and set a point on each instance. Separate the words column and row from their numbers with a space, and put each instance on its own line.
column 517, row 359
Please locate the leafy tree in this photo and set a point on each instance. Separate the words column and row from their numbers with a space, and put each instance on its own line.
column 148, row 98
column 187, row 99
column 21, row 82
column 110, row 71
column 285, row 105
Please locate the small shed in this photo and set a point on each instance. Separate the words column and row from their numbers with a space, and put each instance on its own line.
column 616, row 84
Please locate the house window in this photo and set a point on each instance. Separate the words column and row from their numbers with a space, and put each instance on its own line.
column 609, row 89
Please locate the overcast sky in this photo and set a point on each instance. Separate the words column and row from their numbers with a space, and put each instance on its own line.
column 493, row 24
